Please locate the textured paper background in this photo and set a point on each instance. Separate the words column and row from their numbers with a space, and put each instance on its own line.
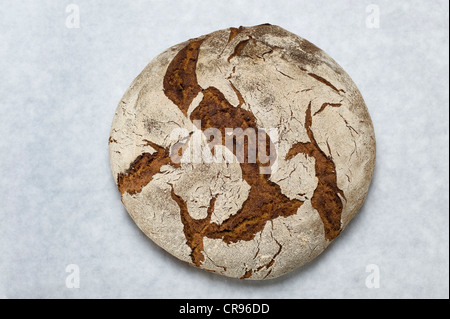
column 58, row 201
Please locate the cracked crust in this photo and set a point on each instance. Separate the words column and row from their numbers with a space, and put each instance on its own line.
column 231, row 218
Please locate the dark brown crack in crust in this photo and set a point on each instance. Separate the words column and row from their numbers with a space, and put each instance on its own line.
column 234, row 32
column 265, row 200
column 238, row 49
column 326, row 198
column 143, row 168
column 180, row 83
column 194, row 229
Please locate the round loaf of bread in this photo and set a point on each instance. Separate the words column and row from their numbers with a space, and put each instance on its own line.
column 244, row 152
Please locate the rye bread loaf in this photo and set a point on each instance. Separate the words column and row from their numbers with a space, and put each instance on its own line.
column 217, row 209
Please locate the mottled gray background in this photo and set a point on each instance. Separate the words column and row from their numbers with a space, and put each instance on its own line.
column 58, row 93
